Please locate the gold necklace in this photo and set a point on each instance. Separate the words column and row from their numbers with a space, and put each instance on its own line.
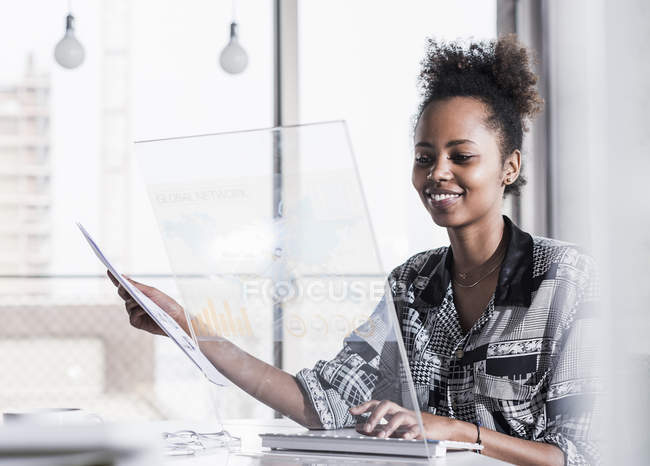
column 479, row 280
column 499, row 255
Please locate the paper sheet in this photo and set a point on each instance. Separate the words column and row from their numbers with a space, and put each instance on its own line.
column 164, row 321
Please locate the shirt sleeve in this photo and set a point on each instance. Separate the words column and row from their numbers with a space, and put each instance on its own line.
column 354, row 375
column 572, row 404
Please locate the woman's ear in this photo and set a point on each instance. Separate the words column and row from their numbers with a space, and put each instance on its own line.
column 511, row 167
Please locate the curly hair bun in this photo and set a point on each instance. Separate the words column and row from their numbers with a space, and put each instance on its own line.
column 513, row 76
column 497, row 72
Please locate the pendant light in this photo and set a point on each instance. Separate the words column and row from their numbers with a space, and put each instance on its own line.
column 233, row 58
column 69, row 53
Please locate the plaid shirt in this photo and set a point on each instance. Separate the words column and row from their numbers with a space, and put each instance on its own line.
column 525, row 368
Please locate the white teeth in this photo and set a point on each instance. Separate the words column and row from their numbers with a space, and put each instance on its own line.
column 440, row 197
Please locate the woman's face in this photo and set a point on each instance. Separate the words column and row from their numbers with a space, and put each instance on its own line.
column 457, row 168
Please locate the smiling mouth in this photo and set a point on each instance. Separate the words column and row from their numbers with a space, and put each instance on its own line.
column 442, row 201
column 440, row 197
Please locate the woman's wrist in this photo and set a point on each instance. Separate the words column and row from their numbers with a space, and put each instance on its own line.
column 463, row 431
column 445, row 428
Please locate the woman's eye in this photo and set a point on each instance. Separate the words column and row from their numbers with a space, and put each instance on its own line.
column 421, row 159
column 460, row 157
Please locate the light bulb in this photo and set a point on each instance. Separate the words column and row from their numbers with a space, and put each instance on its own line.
column 233, row 58
column 69, row 53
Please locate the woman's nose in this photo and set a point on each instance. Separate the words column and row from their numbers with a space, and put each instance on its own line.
column 440, row 170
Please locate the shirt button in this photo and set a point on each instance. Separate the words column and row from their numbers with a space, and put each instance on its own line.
column 459, row 353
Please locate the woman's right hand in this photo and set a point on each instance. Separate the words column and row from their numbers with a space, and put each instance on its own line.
column 138, row 317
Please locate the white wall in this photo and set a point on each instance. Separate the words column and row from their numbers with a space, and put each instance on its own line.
column 600, row 145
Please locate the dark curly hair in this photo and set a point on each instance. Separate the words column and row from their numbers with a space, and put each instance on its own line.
column 496, row 72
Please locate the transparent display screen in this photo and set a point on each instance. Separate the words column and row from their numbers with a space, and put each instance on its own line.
column 269, row 238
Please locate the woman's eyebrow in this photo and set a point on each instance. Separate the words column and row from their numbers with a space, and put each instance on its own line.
column 456, row 142
column 453, row 142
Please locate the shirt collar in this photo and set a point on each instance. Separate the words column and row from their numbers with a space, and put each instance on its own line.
column 514, row 286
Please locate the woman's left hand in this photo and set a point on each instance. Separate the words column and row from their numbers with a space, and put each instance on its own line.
column 402, row 422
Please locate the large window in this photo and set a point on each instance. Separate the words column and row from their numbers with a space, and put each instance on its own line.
column 151, row 71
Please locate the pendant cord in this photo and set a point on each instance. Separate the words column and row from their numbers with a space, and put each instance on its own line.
column 234, row 11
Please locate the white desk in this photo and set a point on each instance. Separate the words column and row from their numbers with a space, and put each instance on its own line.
column 251, row 454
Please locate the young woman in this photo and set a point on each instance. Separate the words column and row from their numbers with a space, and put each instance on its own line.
column 493, row 322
